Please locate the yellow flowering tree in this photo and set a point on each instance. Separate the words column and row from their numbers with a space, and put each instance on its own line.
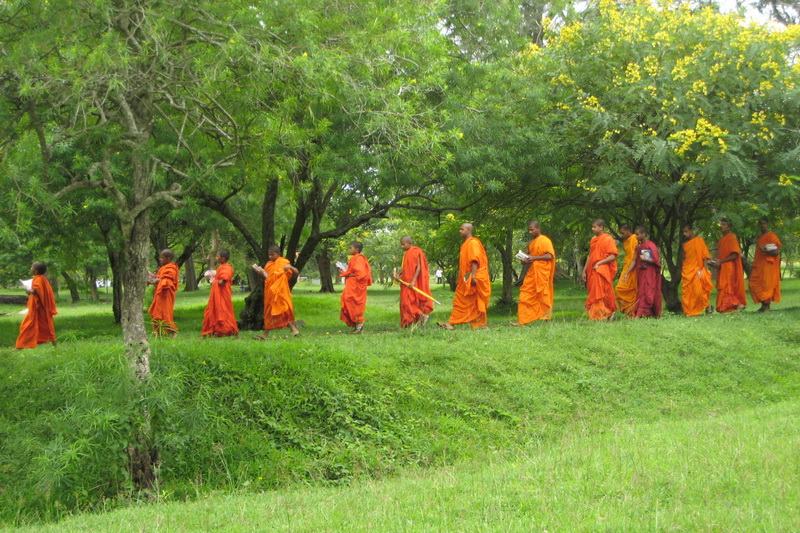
column 667, row 114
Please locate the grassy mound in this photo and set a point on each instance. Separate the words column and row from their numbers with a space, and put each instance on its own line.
column 325, row 409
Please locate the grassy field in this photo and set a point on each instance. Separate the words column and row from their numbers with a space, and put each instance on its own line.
column 635, row 425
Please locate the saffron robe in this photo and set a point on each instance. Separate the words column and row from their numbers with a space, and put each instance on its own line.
column 601, row 302
column 695, row 277
column 471, row 302
column 649, row 278
column 536, row 294
column 626, row 290
column 730, row 279
column 163, row 306
column 278, row 307
column 37, row 327
column 218, row 318
column 412, row 304
column 354, row 295
column 765, row 277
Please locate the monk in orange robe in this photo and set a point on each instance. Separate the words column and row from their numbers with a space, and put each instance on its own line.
column 37, row 327
column 599, row 273
column 536, row 293
column 695, row 277
column 278, row 306
column 357, row 277
column 627, row 288
column 730, row 278
column 218, row 318
column 474, row 288
column 765, row 277
column 166, row 285
column 414, row 307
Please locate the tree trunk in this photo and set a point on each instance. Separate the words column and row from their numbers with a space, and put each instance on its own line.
column 73, row 287
column 669, row 290
column 114, row 258
column 324, row 266
column 91, row 279
column 507, row 258
column 252, row 316
column 190, row 275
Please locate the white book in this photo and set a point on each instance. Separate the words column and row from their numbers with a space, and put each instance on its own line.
column 341, row 266
column 27, row 283
column 522, row 255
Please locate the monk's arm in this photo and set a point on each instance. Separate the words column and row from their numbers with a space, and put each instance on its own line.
column 416, row 272
column 546, row 257
column 611, row 257
column 474, row 271
column 630, row 269
column 290, row 268
column 731, row 257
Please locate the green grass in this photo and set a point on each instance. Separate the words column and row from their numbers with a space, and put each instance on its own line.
column 386, row 410
column 738, row 472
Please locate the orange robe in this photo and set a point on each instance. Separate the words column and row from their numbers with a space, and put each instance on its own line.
column 354, row 295
column 471, row 302
column 37, row 327
column 627, row 290
column 765, row 277
column 163, row 306
column 730, row 279
column 278, row 307
column 695, row 277
column 218, row 318
column 536, row 293
column 601, row 302
column 412, row 304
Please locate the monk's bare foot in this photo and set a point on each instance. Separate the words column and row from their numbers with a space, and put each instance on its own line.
column 482, row 327
column 173, row 334
column 764, row 308
column 299, row 323
column 294, row 330
column 515, row 324
column 260, row 338
column 740, row 307
column 445, row 325
column 710, row 310
column 424, row 321
column 55, row 344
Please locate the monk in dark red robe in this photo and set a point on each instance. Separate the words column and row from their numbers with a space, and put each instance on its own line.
column 37, row 327
column 357, row 277
column 765, row 276
column 166, row 285
column 730, row 278
column 278, row 305
column 648, row 272
column 599, row 273
column 219, row 319
column 414, row 307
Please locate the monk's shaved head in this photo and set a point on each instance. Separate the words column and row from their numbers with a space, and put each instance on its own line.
column 467, row 226
column 40, row 268
column 224, row 253
column 169, row 254
column 535, row 224
column 407, row 239
column 599, row 222
column 275, row 249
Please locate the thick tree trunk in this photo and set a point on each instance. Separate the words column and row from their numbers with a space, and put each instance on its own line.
column 73, row 287
column 252, row 316
column 669, row 290
column 191, row 276
column 324, row 266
